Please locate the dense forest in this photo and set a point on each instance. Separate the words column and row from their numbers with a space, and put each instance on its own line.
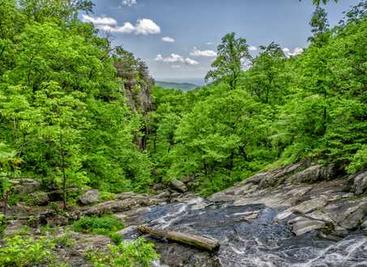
column 77, row 113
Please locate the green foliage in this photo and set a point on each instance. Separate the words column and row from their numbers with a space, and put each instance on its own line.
column 126, row 254
column 105, row 225
column 267, row 79
column 359, row 160
column 26, row 251
column 228, row 64
column 64, row 105
column 3, row 224
column 283, row 110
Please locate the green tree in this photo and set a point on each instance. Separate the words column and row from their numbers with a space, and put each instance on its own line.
column 267, row 79
column 319, row 27
column 227, row 66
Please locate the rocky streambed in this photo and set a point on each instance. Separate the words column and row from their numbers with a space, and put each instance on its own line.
column 295, row 216
column 301, row 215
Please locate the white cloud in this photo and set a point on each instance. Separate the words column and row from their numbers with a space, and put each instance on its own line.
column 252, row 48
column 146, row 26
column 190, row 61
column 142, row 26
column 291, row 53
column 203, row 53
column 129, row 3
column 168, row 39
column 174, row 58
column 100, row 21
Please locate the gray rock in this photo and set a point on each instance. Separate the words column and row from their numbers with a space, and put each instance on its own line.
column 348, row 214
column 301, row 225
column 178, row 186
column 364, row 225
column 89, row 197
column 158, row 187
column 310, row 205
column 360, row 183
column 39, row 198
column 354, row 216
column 25, row 186
column 315, row 173
column 115, row 206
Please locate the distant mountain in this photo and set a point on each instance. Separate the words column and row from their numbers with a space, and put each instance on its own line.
column 174, row 85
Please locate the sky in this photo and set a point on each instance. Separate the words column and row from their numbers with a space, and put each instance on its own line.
column 178, row 38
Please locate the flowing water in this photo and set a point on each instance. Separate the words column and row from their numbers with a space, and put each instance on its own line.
column 249, row 236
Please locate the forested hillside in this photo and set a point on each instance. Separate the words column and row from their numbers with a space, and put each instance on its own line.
column 77, row 113
column 280, row 111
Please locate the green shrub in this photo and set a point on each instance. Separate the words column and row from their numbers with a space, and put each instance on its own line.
column 105, row 196
column 359, row 161
column 3, row 224
column 26, row 251
column 64, row 241
column 127, row 254
column 106, row 225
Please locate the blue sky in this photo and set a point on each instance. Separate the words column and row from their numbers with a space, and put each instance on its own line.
column 178, row 38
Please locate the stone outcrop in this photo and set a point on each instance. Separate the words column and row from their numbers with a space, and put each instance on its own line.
column 89, row 197
column 178, row 186
column 310, row 197
column 26, row 185
column 360, row 183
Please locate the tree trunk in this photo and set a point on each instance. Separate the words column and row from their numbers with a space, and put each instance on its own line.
column 198, row 242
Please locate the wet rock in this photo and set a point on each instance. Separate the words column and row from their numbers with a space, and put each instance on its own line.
column 25, row 186
column 360, row 183
column 310, row 205
column 39, row 198
column 364, row 225
column 178, row 186
column 302, row 225
column 320, row 216
column 348, row 214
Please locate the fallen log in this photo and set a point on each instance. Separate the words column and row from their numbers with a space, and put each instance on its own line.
column 198, row 242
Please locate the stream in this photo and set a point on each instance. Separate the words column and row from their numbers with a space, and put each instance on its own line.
column 250, row 235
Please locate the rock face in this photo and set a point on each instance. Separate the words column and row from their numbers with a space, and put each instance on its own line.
column 315, row 173
column 124, row 202
column 25, row 186
column 39, row 198
column 299, row 215
column 360, row 183
column 178, row 186
column 89, row 197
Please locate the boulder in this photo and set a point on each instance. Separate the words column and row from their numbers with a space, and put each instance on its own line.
column 302, row 225
column 360, row 183
column 115, row 206
column 158, row 187
column 315, row 173
column 364, row 225
column 39, row 198
column 348, row 214
column 89, row 197
column 178, row 186
column 310, row 205
column 25, row 186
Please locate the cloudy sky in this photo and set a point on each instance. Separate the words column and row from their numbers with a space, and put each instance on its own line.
column 178, row 38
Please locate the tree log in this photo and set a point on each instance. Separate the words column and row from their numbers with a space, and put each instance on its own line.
column 199, row 242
